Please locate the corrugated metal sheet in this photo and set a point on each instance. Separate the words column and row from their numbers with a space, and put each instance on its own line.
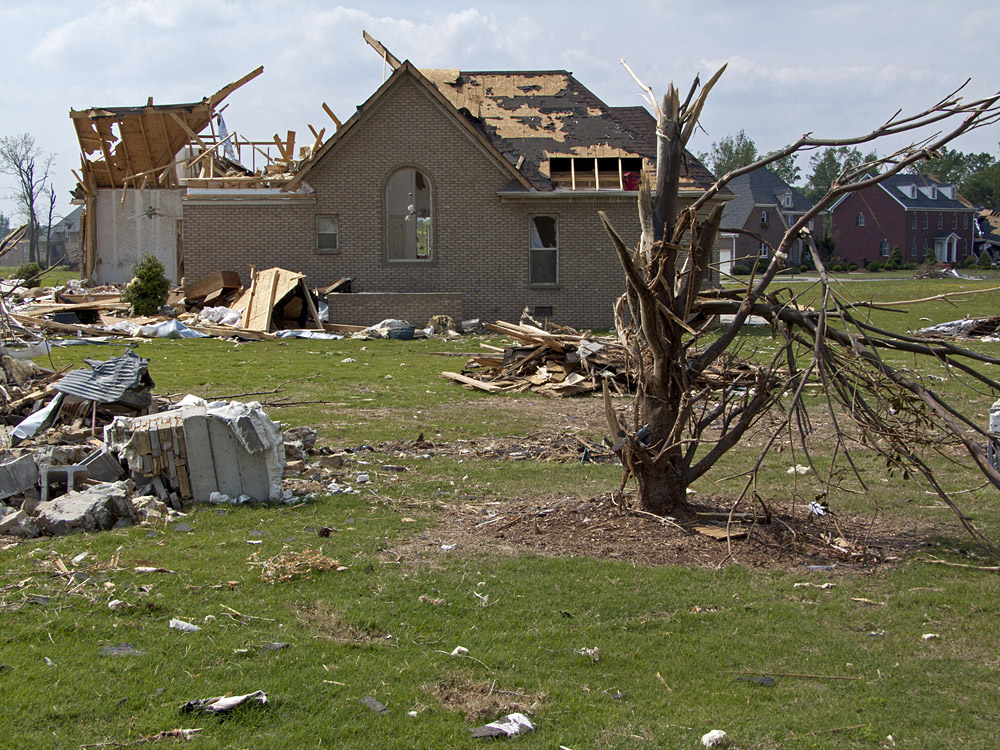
column 106, row 382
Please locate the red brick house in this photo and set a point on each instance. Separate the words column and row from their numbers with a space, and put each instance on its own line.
column 756, row 219
column 910, row 212
column 473, row 194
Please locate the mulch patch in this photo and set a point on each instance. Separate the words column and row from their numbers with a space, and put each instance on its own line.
column 600, row 528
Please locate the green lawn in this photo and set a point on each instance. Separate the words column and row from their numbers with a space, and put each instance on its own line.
column 672, row 641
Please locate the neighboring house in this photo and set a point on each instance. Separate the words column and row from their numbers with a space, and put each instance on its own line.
column 63, row 244
column 472, row 194
column 911, row 212
column 988, row 232
column 64, row 241
column 765, row 206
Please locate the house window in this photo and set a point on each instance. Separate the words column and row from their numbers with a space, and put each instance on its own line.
column 543, row 244
column 542, row 311
column 860, row 221
column 940, row 220
column 954, row 221
column 883, row 248
column 765, row 249
column 787, row 201
column 408, row 209
column 965, row 221
column 926, row 215
column 913, row 248
column 763, row 218
column 327, row 234
column 913, row 221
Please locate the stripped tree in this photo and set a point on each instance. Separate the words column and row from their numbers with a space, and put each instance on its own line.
column 696, row 399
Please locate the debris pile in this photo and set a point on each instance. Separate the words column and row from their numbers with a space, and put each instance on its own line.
column 562, row 362
column 986, row 329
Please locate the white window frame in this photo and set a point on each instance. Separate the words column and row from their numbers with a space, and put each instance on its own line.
column 765, row 250
column 320, row 234
column 413, row 212
column 860, row 220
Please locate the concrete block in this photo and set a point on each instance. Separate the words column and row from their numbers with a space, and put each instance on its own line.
column 103, row 466
column 17, row 475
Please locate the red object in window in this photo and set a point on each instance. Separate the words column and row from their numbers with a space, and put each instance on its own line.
column 631, row 180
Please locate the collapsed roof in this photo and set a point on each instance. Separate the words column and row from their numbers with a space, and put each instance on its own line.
column 125, row 145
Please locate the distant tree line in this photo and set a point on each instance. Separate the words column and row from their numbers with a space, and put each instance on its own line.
column 977, row 176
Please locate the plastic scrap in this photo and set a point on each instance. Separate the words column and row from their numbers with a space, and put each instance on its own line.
column 510, row 725
column 715, row 738
column 224, row 703
column 185, row 627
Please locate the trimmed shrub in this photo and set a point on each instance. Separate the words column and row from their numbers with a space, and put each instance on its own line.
column 930, row 256
column 985, row 259
column 838, row 268
column 896, row 257
column 803, row 268
column 873, row 267
column 852, row 266
column 969, row 262
column 29, row 273
column 147, row 291
column 741, row 270
column 890, row 266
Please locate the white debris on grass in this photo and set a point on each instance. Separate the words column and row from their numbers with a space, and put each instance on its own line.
column 798, row 469
column 184, row 627
column 715, row 738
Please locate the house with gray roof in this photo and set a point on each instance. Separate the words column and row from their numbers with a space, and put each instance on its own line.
column 754, row 222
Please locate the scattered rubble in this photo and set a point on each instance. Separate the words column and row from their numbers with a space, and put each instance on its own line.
column 510, row 725
column 225, row 703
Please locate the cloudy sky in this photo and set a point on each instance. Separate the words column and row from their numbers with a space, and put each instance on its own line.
column 834, row 68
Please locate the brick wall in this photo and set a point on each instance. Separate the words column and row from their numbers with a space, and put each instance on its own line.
column 480, row 240
column 417, row 308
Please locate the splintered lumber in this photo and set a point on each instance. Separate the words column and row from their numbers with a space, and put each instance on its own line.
column 214, row 282
column 472, row 382
column 549, row 362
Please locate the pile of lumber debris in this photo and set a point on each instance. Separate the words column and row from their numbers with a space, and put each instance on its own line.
column 565, row 362
column 558, row 362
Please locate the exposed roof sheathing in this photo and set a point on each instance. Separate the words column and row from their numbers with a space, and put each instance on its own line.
column 121, row 143
column 540, row 114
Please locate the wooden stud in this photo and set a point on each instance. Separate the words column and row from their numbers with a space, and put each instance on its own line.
column 332, row 116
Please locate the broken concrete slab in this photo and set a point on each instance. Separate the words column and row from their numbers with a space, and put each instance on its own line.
column 17, row 475
column 20, row 524
column 98, row 508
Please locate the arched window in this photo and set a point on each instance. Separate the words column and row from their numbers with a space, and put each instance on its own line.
column 408, row 209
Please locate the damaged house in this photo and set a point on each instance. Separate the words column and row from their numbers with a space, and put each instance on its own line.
column 471, row 194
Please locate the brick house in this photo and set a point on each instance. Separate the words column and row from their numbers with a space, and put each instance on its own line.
column 473, row 194
column 763, row 208
column 911, row 212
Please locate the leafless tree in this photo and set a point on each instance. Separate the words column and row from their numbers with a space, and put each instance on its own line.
column 21, row 159
column 696, row 398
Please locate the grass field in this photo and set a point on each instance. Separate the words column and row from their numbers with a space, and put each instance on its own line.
column 381, row 606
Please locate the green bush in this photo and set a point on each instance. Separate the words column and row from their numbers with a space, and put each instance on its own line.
column 873, row 267
column 29, row 273
column 896, row 256
column 838, row 268
column 969, row 262
column 930, row 256
column 852, row 266
column 741, row 270
column 890, row 266
column 985, row 259
column 147, row 291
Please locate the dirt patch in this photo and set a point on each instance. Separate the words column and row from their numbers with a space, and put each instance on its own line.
column 600, row 528
column 329, row 624
column 481, row 701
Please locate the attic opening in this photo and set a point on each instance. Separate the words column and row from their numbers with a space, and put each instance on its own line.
column 595, row 173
